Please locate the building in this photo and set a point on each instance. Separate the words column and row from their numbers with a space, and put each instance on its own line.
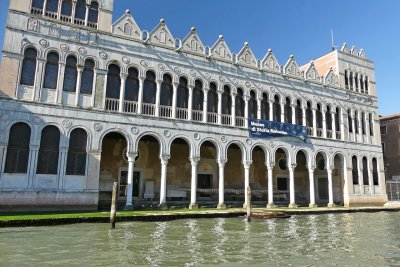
column 390, row 136
column 84, row 102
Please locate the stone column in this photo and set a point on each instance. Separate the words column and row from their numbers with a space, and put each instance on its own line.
column 314, row 113
column 38, row 79
column 219, row 119
column 270, row 167
column 353, row 126
column 140, row 95
column 246, row 111
column 333, row 116
column 93, row 169
column 304, row 116
column 282, row 104
column 190, row 102
column 292, row 203
column 221, row 201
column 63, row 152
column 293, row 106
column 131, row 163
column 343, row 125
column 163, row 186
column 60, row 83
column 271, row 109
column 360, row 132
column 73, row 10
column 158, row 93
column 259, row 108
column 122, row 92
column 3, row 149
column 92, row 102
column 78, row 85
column 370, row 178
column 205, row 103
column 233, row 109
column 87, row 15
column 193, row 191
column 324, row 135
column 367, row 133
column 246, row 165
column 33, row 155
column 44, row 7
column 312, row 187
column 174, row 97
column 330, row 188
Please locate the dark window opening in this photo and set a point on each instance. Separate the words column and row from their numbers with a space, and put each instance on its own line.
column 29, row 67
column 18, row 149
column 113, row 82
column 51, row 71
column 76, row 159
column 48, row 152
column 70, row 74
column 87, row 77
column 182, row 94
column 166, row 91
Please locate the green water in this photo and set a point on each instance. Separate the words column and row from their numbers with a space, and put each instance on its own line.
column 361, row 239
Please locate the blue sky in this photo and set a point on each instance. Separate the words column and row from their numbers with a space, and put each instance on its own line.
column 302, row 28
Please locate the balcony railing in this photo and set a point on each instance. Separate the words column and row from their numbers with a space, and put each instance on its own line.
column 181, row 113
column 79, row 21
column 197, row 115
column 240, row 121
column 309, row 131
column 212, row 117
column 112, row 104
column 92, row 25
column 338, row 135
column 148, row 109
column 226, row 119
column 130, row 106
column 51, row 14
column 319, row 132
column 329, row 134
column 36, row 11
column 65, row 18
column 166, row 111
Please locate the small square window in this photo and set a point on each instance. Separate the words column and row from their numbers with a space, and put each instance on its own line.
column 383, row 130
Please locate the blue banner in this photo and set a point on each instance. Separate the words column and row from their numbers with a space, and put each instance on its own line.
column 266, row 129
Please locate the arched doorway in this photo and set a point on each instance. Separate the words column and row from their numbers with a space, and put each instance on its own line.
column 301, row 177
column 258, row 177
column 208, row 176
column 281, row 181
column 338, row 179
column 234, row 176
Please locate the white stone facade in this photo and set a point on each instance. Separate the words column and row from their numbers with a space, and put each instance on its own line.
column 329, row 90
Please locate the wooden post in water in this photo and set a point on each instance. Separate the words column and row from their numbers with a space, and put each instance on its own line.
column 248, row 189
column 113, row 212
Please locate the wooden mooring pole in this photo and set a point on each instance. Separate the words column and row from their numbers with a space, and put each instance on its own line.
column 248, row 189
column 113, row 212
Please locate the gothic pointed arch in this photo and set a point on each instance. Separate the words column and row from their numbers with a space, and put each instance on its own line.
column 246, row 56
column 270, row 63
column 162, row 36
column 220, row 50
column 192, row 43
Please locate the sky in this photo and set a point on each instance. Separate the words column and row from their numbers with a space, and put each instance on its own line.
column 289, row 27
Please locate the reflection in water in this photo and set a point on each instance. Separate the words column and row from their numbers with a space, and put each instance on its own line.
column 220, row 239
column 361, row 239
column 156, row 251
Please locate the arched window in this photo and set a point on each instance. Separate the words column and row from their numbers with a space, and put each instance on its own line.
column 375, row 176
column 93, row 12
column 66, row 8
column 362, row 83
column 70, row 74
column 48, row 152
column 309, row 115
column 76, row 159
column 288, row 111
column 52, row 6
column 18, row 149
column 346, row 79
column 337, row 119
column 212, row 99
column 371, row 125
column 366, row 84
column 264, row 107
column 328, row 118
column 277, row 109
column 226, row 100
column 51, row 71
column 113, row 82
column 132, row 85
column 80, row 11
column 29, row 67
column 182, row 94
column 363, row 126
column 319, row 116
column 355, row 170
column 365, row 171
column 351, row 81
column 299, row 113
column 198, row 97
column 128, row 29
column 356, row 122
column 38, row 4
column 87, row 77
column 166, row 91
column 149, row 88
column 252, row 105
column 349, row 121
column 239, row 103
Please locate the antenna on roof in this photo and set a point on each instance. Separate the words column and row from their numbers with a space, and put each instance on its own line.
column 333, row 46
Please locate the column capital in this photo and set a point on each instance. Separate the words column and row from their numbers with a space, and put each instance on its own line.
column 34, row 147
column 131, row 156
column 194, row 160
column 206, row 89
column 175, row 84
column 222, row 162
column 124, row 75
column 270, row 165
column 164, row 159
column 79, row 68
column 311, row 168
column 159, row 82
column 191, row 86
column 246, row 98
column 95, row 151
column 247, row 163
column 292, row 166
column 63, row 149
column 142, row 78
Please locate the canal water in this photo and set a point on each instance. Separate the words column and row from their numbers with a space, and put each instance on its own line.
column 359, row 239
